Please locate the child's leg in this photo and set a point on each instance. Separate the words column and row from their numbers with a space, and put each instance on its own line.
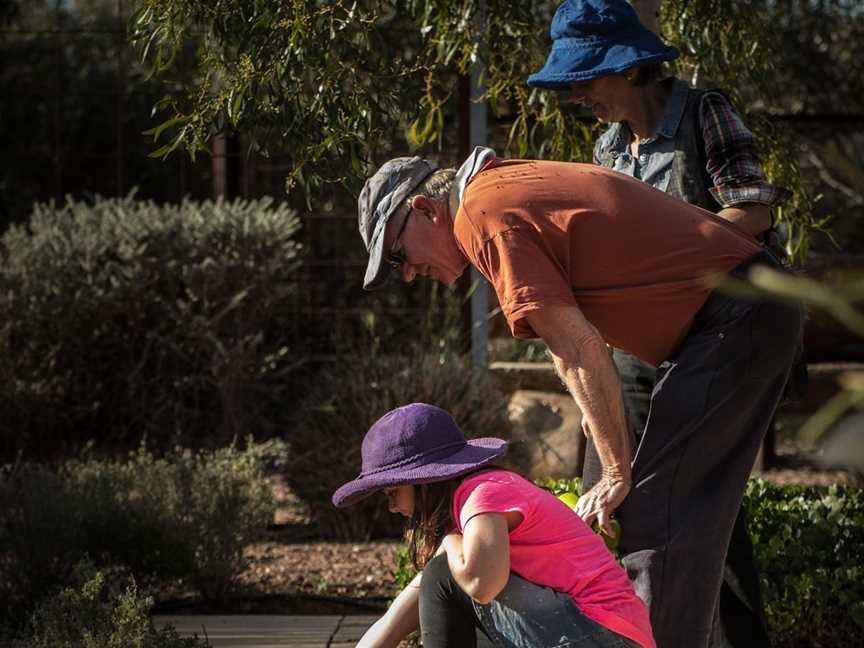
column 527, row 615
column 447, row 617
column 523, row 615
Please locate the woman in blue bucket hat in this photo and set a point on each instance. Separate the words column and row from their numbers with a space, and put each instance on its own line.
column 497, row 553
column 686, row 142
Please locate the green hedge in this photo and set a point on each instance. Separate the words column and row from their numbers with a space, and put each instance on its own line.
column 187, row 515
column 121, row 318
column 808, row 544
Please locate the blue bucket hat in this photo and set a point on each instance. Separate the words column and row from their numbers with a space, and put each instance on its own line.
column 594, row 38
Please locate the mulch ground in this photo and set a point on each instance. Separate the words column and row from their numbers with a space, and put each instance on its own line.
column 292, row 573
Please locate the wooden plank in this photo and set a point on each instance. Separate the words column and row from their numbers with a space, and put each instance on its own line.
column 276, row 630
column 351, row 629
column 258, row 631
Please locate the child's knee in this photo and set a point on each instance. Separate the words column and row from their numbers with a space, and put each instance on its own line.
column 437, row 579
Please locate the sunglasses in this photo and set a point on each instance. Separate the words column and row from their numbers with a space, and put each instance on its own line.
column 396, row 258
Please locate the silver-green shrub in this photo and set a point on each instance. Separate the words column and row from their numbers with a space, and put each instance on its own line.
column 94, row 612
column 185, row 515
column 120, row 318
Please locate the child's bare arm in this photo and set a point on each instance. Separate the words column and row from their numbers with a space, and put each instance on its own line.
column 480, row 559
column 401, row 618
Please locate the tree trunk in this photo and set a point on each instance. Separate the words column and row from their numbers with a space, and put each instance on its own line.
column 648, row 12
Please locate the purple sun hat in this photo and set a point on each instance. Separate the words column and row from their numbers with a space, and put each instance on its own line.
column 415, row 444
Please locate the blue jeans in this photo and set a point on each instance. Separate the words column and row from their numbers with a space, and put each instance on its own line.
column 523, row 615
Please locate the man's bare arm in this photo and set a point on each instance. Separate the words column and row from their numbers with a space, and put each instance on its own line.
column 582, row 360
column 753, row 218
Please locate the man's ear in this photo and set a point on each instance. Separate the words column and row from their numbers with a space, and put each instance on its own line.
column 435, row 211
column 425, row 205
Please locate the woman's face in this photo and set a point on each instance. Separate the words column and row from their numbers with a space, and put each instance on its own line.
column 400, row 499
column 609, row 98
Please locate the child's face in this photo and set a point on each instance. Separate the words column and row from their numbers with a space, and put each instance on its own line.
column 400, row 499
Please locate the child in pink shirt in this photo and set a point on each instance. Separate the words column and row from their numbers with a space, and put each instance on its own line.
column 497, row 553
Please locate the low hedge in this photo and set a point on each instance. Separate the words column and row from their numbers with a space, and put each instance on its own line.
column 808, row 543
column 186, row 515
column 121, row 318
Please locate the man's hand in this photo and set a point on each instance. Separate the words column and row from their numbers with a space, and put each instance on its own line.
column 601, row 501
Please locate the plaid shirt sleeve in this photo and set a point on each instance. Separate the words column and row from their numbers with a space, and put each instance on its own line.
column 733, row 157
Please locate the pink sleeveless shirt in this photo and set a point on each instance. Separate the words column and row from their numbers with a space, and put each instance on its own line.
column 553, row 547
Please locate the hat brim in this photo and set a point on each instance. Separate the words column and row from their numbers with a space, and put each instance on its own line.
column 575, row 60
column 377, row 270
column 474, row 454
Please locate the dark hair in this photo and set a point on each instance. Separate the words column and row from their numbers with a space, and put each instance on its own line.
column 433, row 517
column 647, row 74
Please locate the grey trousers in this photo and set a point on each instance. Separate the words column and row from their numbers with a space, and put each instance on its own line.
column 710, row 408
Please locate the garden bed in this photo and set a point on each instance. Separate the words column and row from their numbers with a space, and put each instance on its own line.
column 292, row 573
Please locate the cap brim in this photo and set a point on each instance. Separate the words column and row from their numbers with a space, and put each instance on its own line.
column 377, row 270
column 475, row 454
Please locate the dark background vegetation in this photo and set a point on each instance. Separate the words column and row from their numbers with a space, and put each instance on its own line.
column 142, row 341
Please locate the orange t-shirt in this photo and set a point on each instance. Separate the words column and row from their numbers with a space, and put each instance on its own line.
column 634, row 260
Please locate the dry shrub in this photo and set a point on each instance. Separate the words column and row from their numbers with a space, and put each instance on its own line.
column 343, row 403
column 186, row 515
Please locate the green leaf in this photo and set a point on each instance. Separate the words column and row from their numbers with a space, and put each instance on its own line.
column 156, row 131
column 163, row 151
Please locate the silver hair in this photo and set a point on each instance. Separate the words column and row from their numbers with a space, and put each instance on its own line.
column 437, row 185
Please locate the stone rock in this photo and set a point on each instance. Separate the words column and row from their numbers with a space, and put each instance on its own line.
column 546, row 434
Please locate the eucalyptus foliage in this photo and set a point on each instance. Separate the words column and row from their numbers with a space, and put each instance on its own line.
column 842, row 303
column 337, row 85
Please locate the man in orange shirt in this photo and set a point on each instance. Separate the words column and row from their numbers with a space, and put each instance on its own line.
column 575, row 260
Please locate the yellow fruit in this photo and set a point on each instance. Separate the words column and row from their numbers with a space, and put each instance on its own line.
column 569, row 499
column 612, row 541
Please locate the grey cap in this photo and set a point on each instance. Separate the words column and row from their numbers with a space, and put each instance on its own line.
column 380, row 199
